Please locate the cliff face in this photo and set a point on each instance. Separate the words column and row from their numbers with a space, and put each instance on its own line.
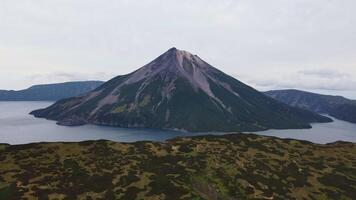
column 178, row 90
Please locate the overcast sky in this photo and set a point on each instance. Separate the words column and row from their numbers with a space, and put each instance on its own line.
column 274, row 44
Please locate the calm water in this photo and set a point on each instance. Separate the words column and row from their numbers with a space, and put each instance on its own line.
column 18, row 127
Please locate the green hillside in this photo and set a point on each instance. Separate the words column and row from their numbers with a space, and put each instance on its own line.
column 206, row 167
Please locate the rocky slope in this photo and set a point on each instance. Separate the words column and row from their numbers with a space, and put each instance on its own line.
column 179, row 90
column 335, row 106
column 50, row 92
column 231, row 167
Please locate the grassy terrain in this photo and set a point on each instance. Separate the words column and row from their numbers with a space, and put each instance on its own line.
column 206, row 167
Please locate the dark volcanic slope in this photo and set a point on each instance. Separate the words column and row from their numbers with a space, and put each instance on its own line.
column 206, row 167
column 179, row 90
column 50, row 92
column 336, row 106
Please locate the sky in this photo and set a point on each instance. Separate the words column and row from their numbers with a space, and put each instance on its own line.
column 275, row 44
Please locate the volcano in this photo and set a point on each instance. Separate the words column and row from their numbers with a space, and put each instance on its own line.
column 178, row 91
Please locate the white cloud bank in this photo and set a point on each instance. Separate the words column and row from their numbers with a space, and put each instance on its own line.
column 274, row 43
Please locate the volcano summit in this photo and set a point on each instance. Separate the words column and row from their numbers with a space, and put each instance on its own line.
column 178, row 90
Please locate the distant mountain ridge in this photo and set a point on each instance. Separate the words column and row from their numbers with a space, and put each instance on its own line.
column 178, row 90
column 335, row 106
column 50, row 92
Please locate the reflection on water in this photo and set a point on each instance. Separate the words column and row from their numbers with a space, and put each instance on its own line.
column 18, row 127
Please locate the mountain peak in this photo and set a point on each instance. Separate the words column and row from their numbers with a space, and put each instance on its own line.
column 179, row 54
column 173, row 49
column 178, row 90
column 175, row 64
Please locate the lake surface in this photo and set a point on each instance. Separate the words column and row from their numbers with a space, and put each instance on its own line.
column 18, row 127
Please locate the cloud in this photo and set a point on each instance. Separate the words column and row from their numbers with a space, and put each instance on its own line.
column 318, row 79
column 325, row 74
column 266, row 41
column 57, row 77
